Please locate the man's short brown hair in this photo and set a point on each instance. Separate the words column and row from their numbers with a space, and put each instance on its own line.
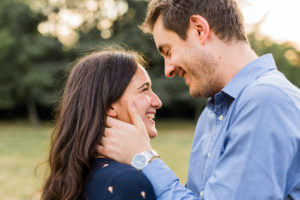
column 224, row 16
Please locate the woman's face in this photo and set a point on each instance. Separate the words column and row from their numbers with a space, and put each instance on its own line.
column 147, row 102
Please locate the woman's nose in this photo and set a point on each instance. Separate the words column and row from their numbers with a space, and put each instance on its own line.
column 156, row 102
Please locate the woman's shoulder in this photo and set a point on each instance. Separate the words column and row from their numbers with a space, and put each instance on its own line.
column 113, row 180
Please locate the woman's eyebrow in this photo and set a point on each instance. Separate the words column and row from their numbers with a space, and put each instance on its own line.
column 145, row 84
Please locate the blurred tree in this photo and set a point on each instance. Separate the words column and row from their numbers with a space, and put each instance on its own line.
column 29, row 61
column 66, row 17
column 286, row 55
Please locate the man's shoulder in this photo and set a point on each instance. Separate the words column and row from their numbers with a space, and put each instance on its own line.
column 272, row 87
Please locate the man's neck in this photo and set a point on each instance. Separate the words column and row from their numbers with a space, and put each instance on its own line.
column 235, row 56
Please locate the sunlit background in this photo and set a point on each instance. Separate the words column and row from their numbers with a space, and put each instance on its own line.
column 40, row 39
column 91, row 12
column 279, row 19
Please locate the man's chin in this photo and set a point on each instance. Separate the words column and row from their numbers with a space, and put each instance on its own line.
column 197, row 94
column 194, row 94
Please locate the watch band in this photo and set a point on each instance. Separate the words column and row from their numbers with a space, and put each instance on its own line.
column 152, row 155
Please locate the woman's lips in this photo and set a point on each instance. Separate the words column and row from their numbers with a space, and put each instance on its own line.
column 151, row 116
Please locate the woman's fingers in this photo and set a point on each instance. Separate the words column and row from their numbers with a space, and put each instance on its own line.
column 99, row 151
column 116, row 123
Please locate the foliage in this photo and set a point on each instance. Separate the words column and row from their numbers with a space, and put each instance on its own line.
column 29, row 61
column 32, row 63
column 286, row 55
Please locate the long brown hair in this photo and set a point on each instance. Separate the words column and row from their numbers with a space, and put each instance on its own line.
column 96, row 81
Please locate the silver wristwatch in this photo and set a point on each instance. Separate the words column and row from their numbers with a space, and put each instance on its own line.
column 141, row 160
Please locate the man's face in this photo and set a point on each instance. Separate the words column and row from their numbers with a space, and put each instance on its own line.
column 146, row 101
column 189, row 59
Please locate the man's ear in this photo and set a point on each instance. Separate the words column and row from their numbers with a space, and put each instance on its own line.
column 200, row 24
column 112, row 112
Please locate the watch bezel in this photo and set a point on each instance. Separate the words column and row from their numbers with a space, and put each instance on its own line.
column 147, row 155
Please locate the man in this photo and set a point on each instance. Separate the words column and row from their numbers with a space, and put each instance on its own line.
column 247, row 140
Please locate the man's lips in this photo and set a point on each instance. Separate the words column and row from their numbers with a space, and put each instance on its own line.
column 181, row 73
column 186, row 81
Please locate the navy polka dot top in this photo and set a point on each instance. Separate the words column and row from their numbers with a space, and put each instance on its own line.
column 111, row 180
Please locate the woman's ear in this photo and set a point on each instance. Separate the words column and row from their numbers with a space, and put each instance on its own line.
column 112, row 112
column 200, row 24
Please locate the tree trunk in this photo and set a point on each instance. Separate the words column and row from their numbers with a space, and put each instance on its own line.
column 32, row 113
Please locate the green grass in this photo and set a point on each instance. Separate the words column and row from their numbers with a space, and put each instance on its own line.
column 22, row 148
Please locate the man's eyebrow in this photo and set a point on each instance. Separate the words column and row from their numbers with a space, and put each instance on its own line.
column 145, row 84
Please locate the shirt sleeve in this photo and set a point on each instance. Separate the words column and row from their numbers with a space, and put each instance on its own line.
column 165, row 183
column 128, row 186
column 257, row 156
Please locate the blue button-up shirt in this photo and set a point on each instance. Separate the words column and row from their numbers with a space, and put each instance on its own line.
column 246, row 144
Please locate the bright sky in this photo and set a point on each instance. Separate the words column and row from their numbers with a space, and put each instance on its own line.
column 282, row 20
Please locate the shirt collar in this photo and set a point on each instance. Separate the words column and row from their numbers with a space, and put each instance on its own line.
column 249, row 73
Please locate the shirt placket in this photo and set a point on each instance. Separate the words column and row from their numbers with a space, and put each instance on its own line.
column 206, row 155
column 219, row 111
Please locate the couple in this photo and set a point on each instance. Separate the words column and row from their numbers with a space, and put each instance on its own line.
column 247, row 139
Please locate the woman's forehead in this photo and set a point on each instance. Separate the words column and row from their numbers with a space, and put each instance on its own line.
column 141, row 75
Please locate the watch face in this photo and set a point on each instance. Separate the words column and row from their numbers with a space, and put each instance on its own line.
column 139, row 161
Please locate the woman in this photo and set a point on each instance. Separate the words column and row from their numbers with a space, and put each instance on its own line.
column 100, row 84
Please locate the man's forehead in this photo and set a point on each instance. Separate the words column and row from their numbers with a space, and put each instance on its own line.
column 162, row 36
column 158, row 30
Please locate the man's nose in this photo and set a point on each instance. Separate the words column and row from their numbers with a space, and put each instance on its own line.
column 169, row 69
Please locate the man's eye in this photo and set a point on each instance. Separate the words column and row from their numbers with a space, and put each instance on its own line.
column 145, row 89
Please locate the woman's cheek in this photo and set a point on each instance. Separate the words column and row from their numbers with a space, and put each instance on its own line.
column 143, row 102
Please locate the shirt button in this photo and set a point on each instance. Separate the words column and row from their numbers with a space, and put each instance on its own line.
column 220, row 117
column 201, row 194
column 208, row 155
